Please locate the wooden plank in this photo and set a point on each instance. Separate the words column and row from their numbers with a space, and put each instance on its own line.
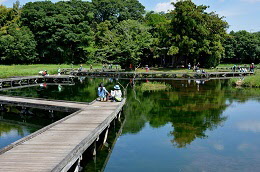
column 58, row 146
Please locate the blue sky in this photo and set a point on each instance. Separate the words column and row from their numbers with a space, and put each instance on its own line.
column 240, row 14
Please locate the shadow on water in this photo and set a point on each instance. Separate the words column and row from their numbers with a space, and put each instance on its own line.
column 18, row 122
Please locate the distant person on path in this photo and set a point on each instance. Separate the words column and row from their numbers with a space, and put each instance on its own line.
column 80, row 68
column 252, row 66
column 189, row 66
column 45, row 73
column 198, row 65
column 91, row 67
column 102, row 92
column 59, row 71
column 116, row 94
column 234, row 68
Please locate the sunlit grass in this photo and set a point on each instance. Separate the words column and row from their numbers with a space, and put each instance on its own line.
column 28, row 70
column 250, row 81
column 154, row 86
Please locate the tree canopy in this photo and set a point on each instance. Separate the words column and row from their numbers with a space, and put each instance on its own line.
column 120, row 31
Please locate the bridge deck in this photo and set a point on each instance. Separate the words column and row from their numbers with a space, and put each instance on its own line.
column 57, row 146
column 162, row 74
column 42, row 103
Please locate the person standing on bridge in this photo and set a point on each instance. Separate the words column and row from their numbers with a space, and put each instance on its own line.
column 59, row 71
column 102, row 91
column 252, row 66
column 80, row 68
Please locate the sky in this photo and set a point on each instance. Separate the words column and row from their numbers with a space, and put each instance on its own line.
column 240, row 14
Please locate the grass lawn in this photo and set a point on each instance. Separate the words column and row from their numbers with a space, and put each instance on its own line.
column 28, row 70
column 250, row 81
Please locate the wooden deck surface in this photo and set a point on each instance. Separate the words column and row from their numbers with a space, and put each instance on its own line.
column 41, row 102
column 56, row 147
column 36, row 77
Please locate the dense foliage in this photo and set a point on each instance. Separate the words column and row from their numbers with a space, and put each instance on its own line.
column 119, row 31
column 242, row 47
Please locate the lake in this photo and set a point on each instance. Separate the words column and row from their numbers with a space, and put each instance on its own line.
column 191, row 126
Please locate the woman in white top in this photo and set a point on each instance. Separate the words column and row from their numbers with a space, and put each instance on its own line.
column 116, row 94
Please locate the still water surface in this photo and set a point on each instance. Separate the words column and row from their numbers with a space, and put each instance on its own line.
column 189, row 127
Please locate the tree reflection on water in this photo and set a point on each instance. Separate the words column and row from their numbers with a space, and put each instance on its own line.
column 190, row 111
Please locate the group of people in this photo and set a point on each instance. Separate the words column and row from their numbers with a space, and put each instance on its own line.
column 114, row 95
column 109, row 66
column 244, row 69
column 195, row 67
column 43, row 73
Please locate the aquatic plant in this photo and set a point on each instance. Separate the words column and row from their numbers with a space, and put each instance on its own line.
column 154, row 86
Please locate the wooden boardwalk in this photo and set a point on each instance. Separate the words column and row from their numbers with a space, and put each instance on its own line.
column 58, row 146
column 64, row 106
column 194, row 75
column 31, row 80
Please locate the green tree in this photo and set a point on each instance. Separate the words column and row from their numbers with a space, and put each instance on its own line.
column 17, row 45
column 159, row 28
column 62, row 30
column 117, row 10
column 125, row 43
column 197, row 34
column 247, row 47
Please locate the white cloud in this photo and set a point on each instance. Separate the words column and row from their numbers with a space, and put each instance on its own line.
column 218, row 147
column 253, row 126
column 251, row 1
column 243, row 147
column 230, row 13
column 1, row 1
column 164, row 6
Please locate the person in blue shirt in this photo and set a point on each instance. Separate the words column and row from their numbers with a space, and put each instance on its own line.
column 102, row 92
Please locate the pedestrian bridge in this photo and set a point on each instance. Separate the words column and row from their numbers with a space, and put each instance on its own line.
column 60, row 145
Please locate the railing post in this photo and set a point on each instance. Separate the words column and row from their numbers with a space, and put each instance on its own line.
column 119, row 116
column 105, row 138
column 78, row 167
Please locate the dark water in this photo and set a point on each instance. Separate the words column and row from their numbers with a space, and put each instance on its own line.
column 16, row 123
column 84, row 90
column 210, row 126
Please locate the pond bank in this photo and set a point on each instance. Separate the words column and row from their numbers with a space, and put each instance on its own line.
column 250, row 81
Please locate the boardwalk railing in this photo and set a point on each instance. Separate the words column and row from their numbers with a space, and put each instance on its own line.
column 163, row 74
column 19, row 82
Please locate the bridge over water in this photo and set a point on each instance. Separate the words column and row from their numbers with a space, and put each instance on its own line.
column 60, row 145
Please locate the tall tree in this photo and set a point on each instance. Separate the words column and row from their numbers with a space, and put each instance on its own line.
column 125, row 43
column 198, row 35
column 117, row 10
column 17, row 44
column 159, row 28
column 62, row 30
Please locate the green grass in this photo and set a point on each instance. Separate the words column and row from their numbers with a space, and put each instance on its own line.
column 250, row 81
column 28, row 70
column 154, row 86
